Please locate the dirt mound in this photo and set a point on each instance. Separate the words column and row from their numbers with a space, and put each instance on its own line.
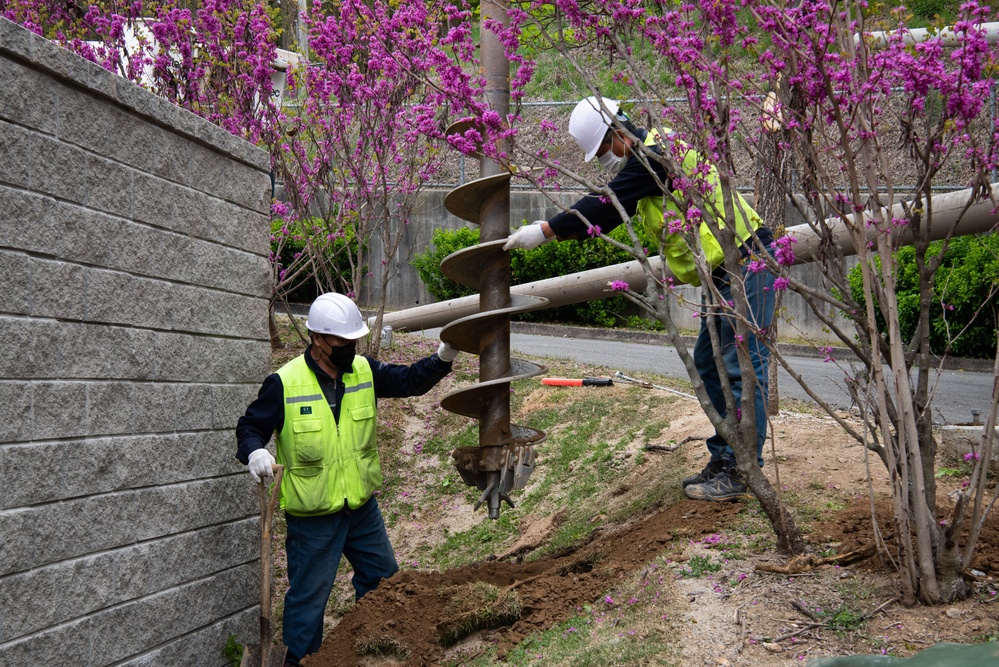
column 852, row 529
column 413, row 618
column 693, row 584
column 408, row 615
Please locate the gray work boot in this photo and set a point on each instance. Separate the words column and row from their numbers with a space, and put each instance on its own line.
column 714, row 467
column 727, row 485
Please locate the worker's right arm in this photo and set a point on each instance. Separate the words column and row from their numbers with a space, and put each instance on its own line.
column 630, row 186
column 263, row 417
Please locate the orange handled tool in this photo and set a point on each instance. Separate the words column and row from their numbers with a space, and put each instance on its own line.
column 577, row 382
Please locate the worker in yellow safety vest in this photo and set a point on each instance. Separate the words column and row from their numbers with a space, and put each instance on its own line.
column 322, row 405
column 602, row 131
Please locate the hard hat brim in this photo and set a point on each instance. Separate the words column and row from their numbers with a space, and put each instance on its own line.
column 360, row 333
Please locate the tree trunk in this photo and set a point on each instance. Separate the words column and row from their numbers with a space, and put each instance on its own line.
column 272, row 329
column 789, row 539
column 289, row 23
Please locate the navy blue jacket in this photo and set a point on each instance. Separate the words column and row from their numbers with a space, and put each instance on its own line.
column 631, row 185
column 265, row 415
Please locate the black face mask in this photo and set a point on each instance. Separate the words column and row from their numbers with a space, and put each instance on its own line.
column 343, row 357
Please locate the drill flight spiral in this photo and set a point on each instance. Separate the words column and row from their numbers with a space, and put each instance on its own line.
column 504, row 458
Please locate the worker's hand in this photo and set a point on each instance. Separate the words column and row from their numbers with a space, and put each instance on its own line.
column 260, row 464
column 446, row 352
column 527, row 237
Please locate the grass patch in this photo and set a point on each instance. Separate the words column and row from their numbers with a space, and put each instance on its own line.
column 479, row 541
column 843, row 619
column 384, row 647
column 698, row 566
column 835, row 505
column 663, row 491
column 474, row 607
column 630, row 625
column 654, row 429
column 592, row 437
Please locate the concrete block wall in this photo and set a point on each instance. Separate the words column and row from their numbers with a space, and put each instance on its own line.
column 133, row 303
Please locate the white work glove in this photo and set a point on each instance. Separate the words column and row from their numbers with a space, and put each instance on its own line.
column 260, row 464
column 527, row 237
column 446, row 352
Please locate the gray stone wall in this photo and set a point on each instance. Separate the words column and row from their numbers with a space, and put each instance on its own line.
column 133, row 284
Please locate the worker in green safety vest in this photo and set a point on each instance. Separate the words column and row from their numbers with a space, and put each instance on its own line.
column 639, row 185
column 322, row 406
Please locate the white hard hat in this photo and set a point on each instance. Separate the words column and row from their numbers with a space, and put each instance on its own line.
column 336, row 315
column 589, row 123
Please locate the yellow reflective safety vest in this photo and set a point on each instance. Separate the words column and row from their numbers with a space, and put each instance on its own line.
column 678, row 256
column 327, row 465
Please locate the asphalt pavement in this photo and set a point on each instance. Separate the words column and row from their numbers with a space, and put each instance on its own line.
column 963, row 385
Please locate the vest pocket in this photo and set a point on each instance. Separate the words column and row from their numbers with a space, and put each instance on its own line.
column 363, row 412
column 363, row 430
column 369, row 471
column 304, row 490
column 308, row 440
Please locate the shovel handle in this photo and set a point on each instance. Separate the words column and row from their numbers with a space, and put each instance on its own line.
column 267, row 506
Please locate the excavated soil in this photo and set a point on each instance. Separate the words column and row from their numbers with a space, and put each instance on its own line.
column 409, row 614
column 754, row 612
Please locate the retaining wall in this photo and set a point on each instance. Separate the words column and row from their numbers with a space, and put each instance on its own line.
column 133, row 265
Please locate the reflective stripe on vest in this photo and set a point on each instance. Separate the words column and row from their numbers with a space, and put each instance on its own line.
column 675, row 250
column 327, row 464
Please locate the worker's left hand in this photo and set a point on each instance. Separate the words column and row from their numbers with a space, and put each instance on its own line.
column 446, row 352
column 527, row 237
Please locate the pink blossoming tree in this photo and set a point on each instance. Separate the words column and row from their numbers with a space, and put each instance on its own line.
column 366, row 135
column 842, row 98
column 383, row 77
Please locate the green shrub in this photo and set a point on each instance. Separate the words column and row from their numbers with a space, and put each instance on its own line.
column 548, row 261
column 562, row 259
column 338, row 253
column 962, row 285
column 428, row 264
column 927, row 10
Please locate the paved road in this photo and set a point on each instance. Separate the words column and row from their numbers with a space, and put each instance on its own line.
column 956, row 393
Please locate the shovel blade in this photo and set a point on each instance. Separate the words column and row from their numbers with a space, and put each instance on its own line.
column 273, row 655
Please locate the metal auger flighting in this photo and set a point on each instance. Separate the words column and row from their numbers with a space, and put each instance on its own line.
column 504, row 458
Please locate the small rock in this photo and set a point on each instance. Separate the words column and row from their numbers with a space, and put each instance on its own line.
column 953, row 612
column 978, row 574
column 772, row 647
column 723, row 662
